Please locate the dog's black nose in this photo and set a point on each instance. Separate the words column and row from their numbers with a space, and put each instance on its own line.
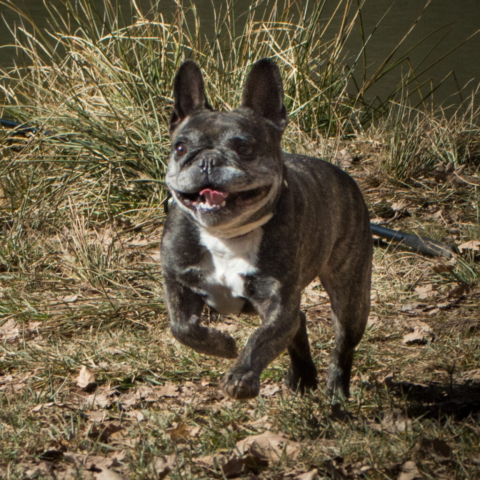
column 208, row 164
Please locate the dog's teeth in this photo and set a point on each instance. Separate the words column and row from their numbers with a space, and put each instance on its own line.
column 224, row 203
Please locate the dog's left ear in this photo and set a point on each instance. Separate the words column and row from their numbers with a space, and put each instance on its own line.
column 263, row 92
column 188, row 93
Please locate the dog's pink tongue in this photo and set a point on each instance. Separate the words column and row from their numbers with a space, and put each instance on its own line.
column 213, row 197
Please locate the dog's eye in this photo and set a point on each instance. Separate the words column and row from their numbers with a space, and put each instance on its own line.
column 242, row 147
column 180, row 149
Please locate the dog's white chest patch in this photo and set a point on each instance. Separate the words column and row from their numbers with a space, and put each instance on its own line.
column 225, row 265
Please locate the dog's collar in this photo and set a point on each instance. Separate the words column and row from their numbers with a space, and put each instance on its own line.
column 235, row 232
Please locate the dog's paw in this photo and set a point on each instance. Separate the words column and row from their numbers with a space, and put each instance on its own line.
column 241, row 384
column 338, row 384
column 301, row 383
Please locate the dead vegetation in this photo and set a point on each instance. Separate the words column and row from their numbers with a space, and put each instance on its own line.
column 92, row 385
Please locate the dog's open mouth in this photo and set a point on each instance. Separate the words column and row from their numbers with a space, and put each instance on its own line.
column 211, row 200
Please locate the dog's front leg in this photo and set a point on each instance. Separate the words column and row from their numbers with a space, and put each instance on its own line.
column 185, row 309
column 280, row 324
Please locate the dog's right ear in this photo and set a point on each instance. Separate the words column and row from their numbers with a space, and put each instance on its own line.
column 188, row 93
column 263, row 92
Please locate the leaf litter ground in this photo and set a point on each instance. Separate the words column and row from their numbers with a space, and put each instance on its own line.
column 92, row 385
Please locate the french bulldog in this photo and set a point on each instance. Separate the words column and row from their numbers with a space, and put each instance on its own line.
column 252, row 226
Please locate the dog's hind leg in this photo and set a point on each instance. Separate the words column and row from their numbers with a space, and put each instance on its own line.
column 349, row 293
column 302, row 374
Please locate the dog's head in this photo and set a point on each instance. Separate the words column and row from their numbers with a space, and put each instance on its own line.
column 225, row 168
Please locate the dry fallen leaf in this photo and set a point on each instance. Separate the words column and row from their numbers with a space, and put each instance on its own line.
column 91, row 462
column 38, row 471
column 344, row 158
column 195, row 431
column 373, row 322
column 425, row 291
column 161, row 466
column 9, row 331
column 272, row 445
column 137, row 415
column 33, row 326
column 396, row 421
column 409, row 471
column 412, row 308
column 441, row 268
column 97, row 417
column 167, row 390
column 400, row 206
column 130, row 400
column 269, row 390
column 211, row 461
column 99, row 399
column 40, row 406
column 311, row 475
column 252, row 461
column 6, row 379
column 70, row 298
column 471, row 245
column 86, row 379
column 261, row 422
column 180, row 432
column 421, row 334
column 106, row 431
column 107, row 474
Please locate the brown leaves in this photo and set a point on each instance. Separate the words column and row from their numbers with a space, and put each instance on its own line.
column 269, row 390
column 100, row 399
column 345, row 159
column 425, row 291
column 70, row 466
column 105, row 397
column 86, row 379
column 14, row 383
column 470, row 246
column 455, row 176
column 161, row 466
column 11, row 331
column 70, row 298
column 182, row 432
column 338, row 469
column 438, row 449
column 106, row 431
column 421, row 334
column 409, row 471
column 168, row 390
column 271, row 445
column 101, row 466
column 394, row 421
column 251, row 453
column 442, row 268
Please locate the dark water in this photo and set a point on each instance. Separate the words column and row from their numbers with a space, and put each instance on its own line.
column 461, row 18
